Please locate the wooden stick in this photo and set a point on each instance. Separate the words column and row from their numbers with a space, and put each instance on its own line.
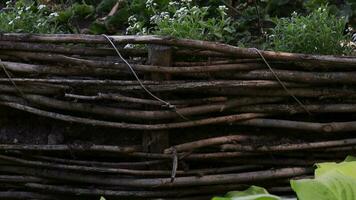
column 320, row 92
column 206, row 45
column 332, row 127
column 26, row 195
column 68, row 50
column 289, row 147
column 72, row 148
column 237, row 178
column 190, row 146
column 294, row 109
column 125, row 165
column 21, row 179
column 88, row 169
column 93, row 122
column 296, row 76
column 122, row 98
column 146, row 115
column 137, row 67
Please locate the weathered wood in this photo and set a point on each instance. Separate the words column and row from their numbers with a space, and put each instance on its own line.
column 157, row 141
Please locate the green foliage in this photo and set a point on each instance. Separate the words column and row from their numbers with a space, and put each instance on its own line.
column 317, row 33
column 182, row 19
column 105, row 6
column 26, row 17
column 334, row 181
column 76, row 10
column 252, row 193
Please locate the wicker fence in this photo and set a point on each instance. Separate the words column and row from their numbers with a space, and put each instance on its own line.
column 173, row 119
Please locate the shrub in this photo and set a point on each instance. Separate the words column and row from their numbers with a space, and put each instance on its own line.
column 26, row 17
column 182, row 19
column 317, row 33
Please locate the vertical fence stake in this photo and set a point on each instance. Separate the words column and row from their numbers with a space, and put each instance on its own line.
column 157, row 141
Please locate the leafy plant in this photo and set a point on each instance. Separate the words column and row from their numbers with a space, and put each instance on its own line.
column 74, row 13
column 182, row 19
column 317, row 33
column 26, row 16
column 252, row 193
column 333, row 181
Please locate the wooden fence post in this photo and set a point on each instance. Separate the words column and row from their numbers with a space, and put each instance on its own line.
column 157, row 141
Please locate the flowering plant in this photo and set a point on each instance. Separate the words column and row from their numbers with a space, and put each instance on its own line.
column 183, row 19
column 20, row 16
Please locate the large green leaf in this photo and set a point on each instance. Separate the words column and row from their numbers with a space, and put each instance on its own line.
column 332, row 185
column 333, row 181
column 347, row 168
column 252, row 193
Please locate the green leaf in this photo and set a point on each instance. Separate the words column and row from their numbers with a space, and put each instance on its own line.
column 333, row 181
column 332, row 185
column 252, row 193
column 350, row 158
column 346, row 168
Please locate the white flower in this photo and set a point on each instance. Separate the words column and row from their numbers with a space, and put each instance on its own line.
column 40, row 7
column 17, row 17
column 155, row 19
column 223, row 8
column 54, row 14
column 28, row 8
column 173, row 3
column 187, row 1
column 11, row 22
column 164, row 15
column 149, row 3
column 128, row 46
column 183, row 11
column 132, row 19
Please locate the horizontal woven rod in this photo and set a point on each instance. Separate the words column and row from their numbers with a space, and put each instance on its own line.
column 190, row 146
column 294, row 76
column 27, row 195
column 153, row 85
column 93, row 122
column 89, row 169
column 122, row 98
column 61, row 70
column 294, row 109
column 215, row 62
column 234, row 178
column 211, row 85
column 146, row 164
column 43, row 89
column 320, row 92
column 126, row 165
column 332, row 127
column 71, row 148
column 123, row 171
column 68, row 50
column 194, row 156
column 320, row 60
column 202, row 190
column 289, row 147
column 22, row 179
column 63, row 59
column 272, row 160
column 146, row 115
